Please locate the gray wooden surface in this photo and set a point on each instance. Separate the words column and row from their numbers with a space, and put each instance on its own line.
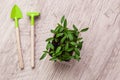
column 100, row 53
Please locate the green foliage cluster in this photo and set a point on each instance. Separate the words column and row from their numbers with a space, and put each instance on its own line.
column 65, row 44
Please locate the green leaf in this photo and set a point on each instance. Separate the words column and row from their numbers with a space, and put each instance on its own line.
column 56, row 40
column 53, row 59
column 62, row 19
column 70, row 36
column 58, row 49
column 59, row 34
column 85, row 29
column 51, row 52
column 59, row 25
column 80, row 45
column 70, row 49
column 77, row 33
column 43, row 56
column 66, row 56
column 77, row 57
column 65, row 23
column 73, row 43
column 66, row 35
column 57, row 29
column 63, row 39
column 53, row 31
column 71, row 31
column 61, row 29
column 59, row 53
column 75, row 28
column 49, row 46
column 77, row 51
column 66, row 46
column 50, row 39
column 45, row 51
column 79, row 39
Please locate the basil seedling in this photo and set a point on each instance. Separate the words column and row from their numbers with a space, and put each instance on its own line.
column 65, row 44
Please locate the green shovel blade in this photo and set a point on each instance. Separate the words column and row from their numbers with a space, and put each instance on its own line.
column 16, row 14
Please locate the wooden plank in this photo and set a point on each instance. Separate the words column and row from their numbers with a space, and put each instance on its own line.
column 100, row 53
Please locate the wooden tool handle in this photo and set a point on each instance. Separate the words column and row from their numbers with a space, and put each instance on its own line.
column 32, row 48
column 20, row 57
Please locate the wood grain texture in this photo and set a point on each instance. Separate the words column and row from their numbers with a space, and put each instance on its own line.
column 100, row 53
column 20, row 56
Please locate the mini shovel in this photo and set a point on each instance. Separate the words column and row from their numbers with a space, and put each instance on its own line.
column 16, row 14
column 32, row 16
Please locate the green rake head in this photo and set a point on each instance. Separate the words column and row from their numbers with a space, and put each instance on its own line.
column 32, row 15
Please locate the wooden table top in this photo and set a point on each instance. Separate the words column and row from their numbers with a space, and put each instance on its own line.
column 100, row 55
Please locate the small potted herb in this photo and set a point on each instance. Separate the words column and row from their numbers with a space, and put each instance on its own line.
column 65, row 44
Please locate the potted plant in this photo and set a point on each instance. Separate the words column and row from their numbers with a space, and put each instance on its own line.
column 65, row 44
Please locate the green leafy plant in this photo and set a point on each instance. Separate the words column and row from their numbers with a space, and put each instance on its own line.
column 65, row 44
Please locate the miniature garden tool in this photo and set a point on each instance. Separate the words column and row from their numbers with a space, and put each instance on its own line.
column 16, row 14
column 32, row 16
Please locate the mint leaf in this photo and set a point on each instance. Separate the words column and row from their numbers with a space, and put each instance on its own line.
column 62, row 19
column 70, row 49
column 63, row 39
column 59, row 53
column 50, row 46
column 53, row 31
column 70, row 36
column 58, row 49
column 85, row 29
column 57, row 29
column 65, row 23
column 59, row 34
column 77, row 51
column 66, row 46
column 61, row 29
column 73, row 43
column 75, row 28
column 79, row 39
column 80, row 45
column 50, row 39
column 43, row 56
column 53, row 59
column 77, row 57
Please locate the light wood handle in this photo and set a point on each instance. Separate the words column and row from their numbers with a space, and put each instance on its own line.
column 32, row 48
column 20, row 57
